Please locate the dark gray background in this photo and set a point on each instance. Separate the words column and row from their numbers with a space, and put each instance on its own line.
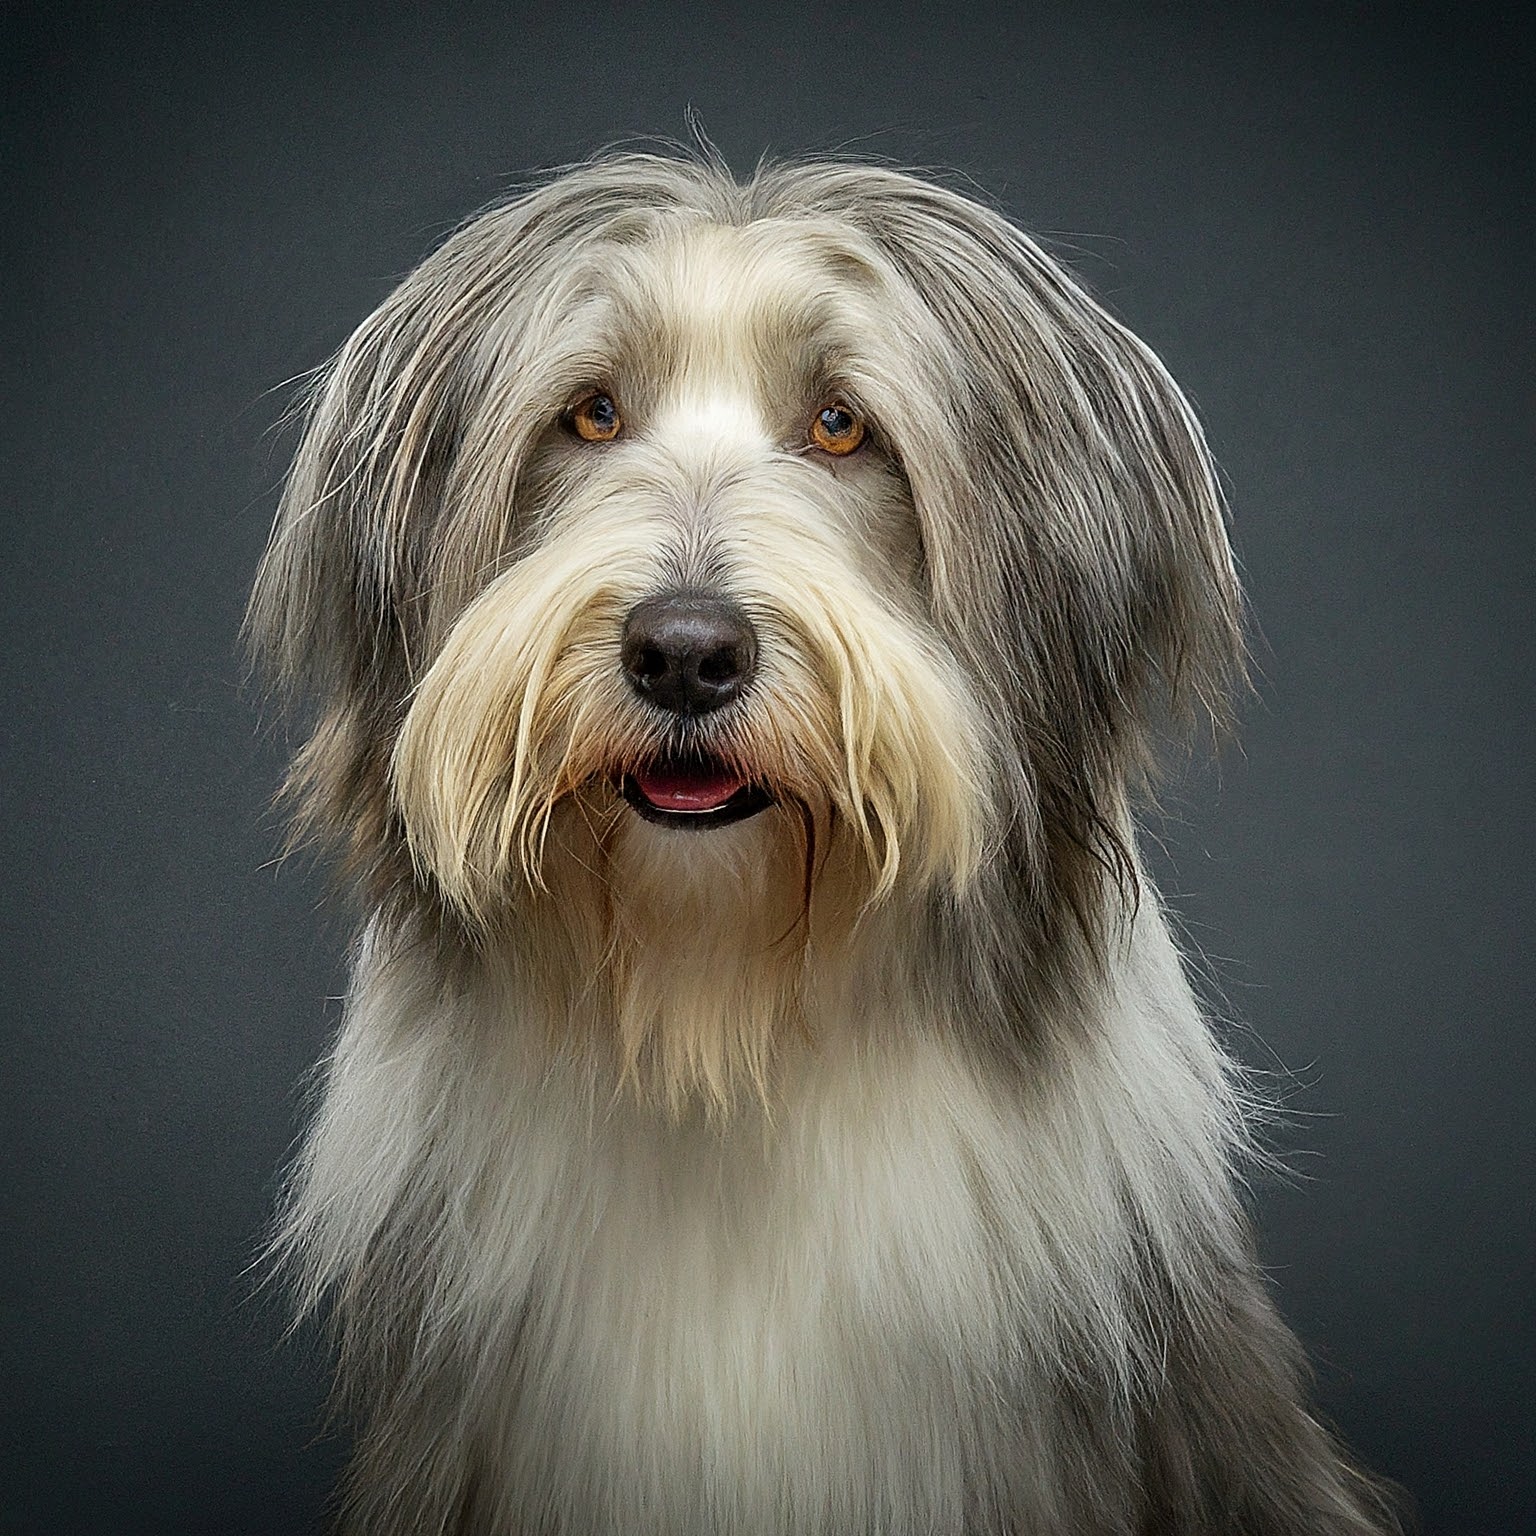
column 1323, row 224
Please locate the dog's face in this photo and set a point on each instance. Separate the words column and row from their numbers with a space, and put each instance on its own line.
column 711, row 607
column 758, row 554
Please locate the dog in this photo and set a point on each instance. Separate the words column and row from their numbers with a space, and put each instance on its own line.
column 739, row 621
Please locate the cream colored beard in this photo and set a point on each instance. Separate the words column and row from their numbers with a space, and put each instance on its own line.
column 689, row 954
column 688, row 962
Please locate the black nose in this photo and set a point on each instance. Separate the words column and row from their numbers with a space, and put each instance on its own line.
column 688, row 652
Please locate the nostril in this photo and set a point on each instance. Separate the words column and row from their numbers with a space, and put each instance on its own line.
column 649, row 664
column 720, row 666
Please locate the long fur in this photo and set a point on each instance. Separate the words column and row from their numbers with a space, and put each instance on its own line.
column 863, row 1167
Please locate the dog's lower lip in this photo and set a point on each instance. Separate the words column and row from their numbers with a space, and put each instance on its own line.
column 695, row 797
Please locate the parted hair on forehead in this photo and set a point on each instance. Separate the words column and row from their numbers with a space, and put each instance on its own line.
column 738, row 620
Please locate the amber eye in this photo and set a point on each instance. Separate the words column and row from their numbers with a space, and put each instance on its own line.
column 596, row 419
column 836, row 429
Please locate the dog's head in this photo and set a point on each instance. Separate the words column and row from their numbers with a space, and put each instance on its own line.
column 706, row 535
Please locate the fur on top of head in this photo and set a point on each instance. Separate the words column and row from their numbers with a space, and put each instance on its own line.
column 964, row 630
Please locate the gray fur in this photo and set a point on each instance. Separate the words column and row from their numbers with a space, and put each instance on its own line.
column 975, row 1263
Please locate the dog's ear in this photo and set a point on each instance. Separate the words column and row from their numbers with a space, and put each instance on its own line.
column 1072, row 521
column 1079, row 518
column 328, row 612
column 334, row 615
column 399, row 504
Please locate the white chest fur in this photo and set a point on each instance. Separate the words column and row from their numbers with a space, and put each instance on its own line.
column 827, row 1323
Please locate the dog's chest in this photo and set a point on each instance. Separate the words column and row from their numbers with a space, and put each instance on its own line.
column 767, row 1330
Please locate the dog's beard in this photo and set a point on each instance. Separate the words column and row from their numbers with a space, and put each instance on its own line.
column 689, row 950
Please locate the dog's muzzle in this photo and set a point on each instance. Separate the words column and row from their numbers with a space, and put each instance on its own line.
column 690, row 653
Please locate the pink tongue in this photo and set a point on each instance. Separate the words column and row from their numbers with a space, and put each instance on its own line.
column 670, row 787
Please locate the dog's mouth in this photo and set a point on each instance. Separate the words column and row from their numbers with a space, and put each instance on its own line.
column 698, row 793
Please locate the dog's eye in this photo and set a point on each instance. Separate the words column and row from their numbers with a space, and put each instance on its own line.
column 596, row 419
column 837, row 429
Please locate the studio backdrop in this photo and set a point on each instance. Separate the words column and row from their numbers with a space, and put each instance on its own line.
column 1324, row 227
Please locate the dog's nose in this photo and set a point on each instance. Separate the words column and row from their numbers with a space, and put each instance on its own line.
column 688, row 652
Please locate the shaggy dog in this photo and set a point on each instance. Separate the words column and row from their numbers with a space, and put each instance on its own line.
column 769, row 1100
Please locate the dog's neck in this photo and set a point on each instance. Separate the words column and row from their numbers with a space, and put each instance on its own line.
column 693, row 971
